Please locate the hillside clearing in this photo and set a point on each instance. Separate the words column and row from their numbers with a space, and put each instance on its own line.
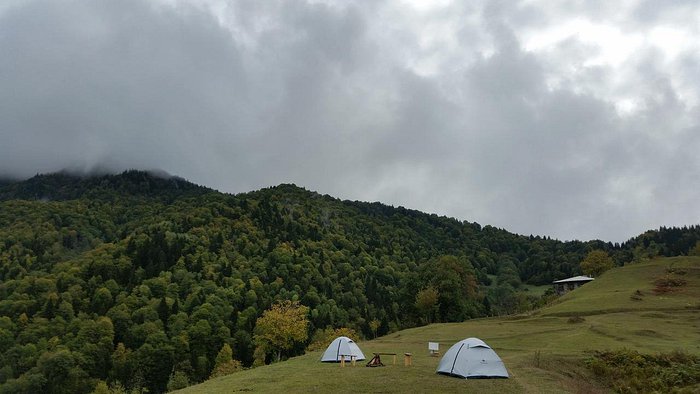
column 542, row 351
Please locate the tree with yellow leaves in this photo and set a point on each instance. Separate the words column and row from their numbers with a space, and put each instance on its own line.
column 281, row 326
column 596, row 262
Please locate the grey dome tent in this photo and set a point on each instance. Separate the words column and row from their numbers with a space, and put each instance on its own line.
column 472, row 358
column 342, row 346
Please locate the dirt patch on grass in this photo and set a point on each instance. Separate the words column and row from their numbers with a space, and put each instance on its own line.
column 571, row 372
column 655, row 315
column 668, row 283
column 648, row 333
column 602, row 332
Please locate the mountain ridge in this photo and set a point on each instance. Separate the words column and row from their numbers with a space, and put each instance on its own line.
column 151, row 183
column 127, row 278
column 67, row 185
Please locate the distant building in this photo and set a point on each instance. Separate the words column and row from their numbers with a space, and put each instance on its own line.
column 565, row 285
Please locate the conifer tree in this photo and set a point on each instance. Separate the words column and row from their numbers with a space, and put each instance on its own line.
column 225, row 364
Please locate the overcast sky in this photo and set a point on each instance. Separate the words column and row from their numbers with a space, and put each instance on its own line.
column 572, row 119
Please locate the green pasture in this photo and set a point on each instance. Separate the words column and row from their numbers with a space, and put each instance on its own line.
column 613, row 291
column 533, row 290
column 543, row 351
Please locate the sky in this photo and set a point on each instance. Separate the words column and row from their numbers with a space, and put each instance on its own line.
column 568, row 119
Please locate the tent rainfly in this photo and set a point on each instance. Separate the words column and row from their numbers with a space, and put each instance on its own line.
column 342, row 346
column 472, row 358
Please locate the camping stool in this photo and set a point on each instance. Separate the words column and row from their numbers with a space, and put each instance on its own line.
column 407, row 359
column 353, row 358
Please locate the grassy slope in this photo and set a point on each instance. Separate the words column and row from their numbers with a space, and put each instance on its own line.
column 542, row 351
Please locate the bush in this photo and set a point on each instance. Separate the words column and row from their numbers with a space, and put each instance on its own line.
column 667, row 284
column 225, row 364
column 576, row 319
column 637, row 295
column 101, row 388
column 628, row 371
column 226, row 368
column 673, row 270
column 178, row 380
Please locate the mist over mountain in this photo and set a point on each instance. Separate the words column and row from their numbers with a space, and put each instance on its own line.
column 578, row 121
column 68, row 185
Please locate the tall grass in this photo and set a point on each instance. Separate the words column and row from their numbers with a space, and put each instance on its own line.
column 629, row 371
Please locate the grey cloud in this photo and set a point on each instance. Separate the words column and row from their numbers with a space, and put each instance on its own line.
column 96, row 82
column 324, row 95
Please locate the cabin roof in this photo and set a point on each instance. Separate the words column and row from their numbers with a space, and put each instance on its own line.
column 580, row 278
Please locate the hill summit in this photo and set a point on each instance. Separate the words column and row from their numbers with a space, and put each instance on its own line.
column 69, row 186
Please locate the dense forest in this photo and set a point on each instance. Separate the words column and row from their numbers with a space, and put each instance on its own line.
column 128, row 279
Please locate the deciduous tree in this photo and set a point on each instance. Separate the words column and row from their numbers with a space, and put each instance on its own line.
column 374, row 325
column 281, row 326
column 427, row 303
column 596, row 262
column 454, row 279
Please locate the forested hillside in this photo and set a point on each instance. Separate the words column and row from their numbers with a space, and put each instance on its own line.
column 129, row 278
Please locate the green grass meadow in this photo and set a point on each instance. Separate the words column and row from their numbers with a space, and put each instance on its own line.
column 543, row 350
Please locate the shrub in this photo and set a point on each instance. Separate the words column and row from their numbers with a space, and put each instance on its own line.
column 101, row 388
column 225, row 364
column 628, row 371
column 227, row 368
column 667, row 284
column 576, row 319
column 673, row 270
column 178, row 380
column 637, row 295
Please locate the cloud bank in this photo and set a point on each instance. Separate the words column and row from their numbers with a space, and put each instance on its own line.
column 574, row 121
